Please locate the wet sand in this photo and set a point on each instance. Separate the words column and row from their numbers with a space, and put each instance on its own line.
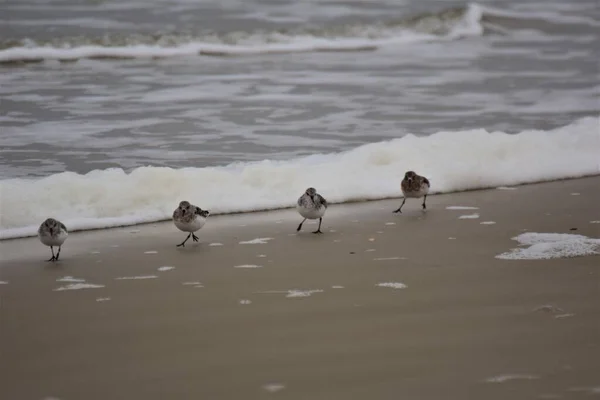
column 311, row 322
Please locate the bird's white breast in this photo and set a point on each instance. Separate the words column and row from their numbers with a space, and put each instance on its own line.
column 311, row 212
column 416, row 194
column 56, row 240
column 192, row 226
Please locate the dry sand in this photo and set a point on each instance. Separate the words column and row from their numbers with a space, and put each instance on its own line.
column 463, row 328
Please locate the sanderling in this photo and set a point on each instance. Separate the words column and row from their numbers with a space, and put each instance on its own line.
column 311, row 205
column 53, row 233
column 414, row 185
column 189, row 218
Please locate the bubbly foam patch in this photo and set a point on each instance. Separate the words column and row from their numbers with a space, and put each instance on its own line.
column 510, row 377
column 101, row 299
column 165, row 268
column 393, row 285
column 469, row 216
column 112, row 197
column 302, row 293
column 248, row 266
column 389, row 258
column 461, row 208
column 544, row 246
column 124, row 278
column 487, row 223
column 3, row 283
column 69, row 279
column 78, row 286
column 273, row 387
column 257, row 241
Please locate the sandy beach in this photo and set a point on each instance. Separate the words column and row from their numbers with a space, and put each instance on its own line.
column 381, row 306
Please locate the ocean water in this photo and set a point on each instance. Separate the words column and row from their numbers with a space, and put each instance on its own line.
column 111, row 112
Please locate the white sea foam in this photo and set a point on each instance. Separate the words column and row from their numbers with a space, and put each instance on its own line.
column 165, row 268
column 69, row 279
column 151, row 252
column 245, row 302
column 506, row 188
column 561, row 316
column 216, row 244
column 389, row 258
column 544, row 246
column 274, row 387
column 101, row 299
column 257, row 241
column 594, row 222
column 123, row 278
column 302, row 293
column 78, row 286
column 192, row 283
column 487, row 223
column 393, row 285
column 461, row 208
column 248, row 266
column 111, row 197
column 510, row 377
column 469, row 216
column 3, row 283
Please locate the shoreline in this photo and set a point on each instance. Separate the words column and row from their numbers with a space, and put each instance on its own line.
column 286, row 208
column 381, row 305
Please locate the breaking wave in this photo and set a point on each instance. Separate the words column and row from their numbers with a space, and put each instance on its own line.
column 446, row 25
column 453, row 161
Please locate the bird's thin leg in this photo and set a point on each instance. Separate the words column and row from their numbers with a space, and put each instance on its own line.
column 53, row 257
column 424, row 199
column 194, row 237
column 58, row 254
column 300, row 226
column 182, row 244
column 399, row 210
column 319, row 229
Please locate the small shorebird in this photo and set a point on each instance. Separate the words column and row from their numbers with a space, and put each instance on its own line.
column 414, row 186
column 189, row 218
column 53, row 233
column 311, row 205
